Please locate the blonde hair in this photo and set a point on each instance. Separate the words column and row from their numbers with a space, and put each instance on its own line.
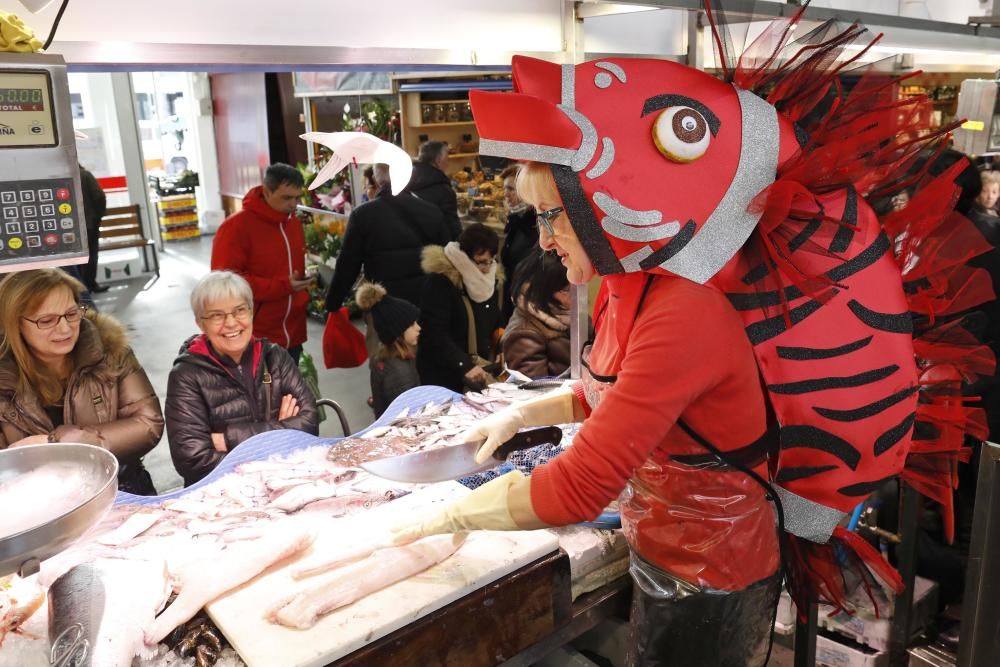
column 20, row 294
column 988, row 177
column 535, row 184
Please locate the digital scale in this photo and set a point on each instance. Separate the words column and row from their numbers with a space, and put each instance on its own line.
column 41, row 207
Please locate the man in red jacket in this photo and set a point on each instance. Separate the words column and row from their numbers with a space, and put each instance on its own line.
column 264, row 244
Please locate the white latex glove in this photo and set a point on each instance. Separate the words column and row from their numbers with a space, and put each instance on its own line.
column 555, row 407
column 486, row 508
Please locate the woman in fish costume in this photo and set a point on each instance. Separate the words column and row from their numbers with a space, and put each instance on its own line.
column 753, row 375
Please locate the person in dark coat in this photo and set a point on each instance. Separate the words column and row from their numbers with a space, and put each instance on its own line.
column 536, row 340
column 460, row 310
column 384, row 237
column 520, row 235
column 95, row 205
column 226, row 385
column 430, row 182
column 393, row 365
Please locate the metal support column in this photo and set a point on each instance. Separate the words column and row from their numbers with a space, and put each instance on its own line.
column 906, row 559
column 307, row 118
column 135, row 168
column 980, row 642
column 579, row 307
column 805, row 639
column 695, row 40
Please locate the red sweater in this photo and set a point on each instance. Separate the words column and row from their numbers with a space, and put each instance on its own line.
column 266, row 246
column 684, row 356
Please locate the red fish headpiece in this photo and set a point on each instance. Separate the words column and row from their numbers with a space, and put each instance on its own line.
column 656, row 162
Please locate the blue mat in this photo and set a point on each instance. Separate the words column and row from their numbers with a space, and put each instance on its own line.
column 272, row 443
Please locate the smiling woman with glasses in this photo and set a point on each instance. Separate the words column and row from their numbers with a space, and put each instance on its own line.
column 68, row 375
column 227, row 385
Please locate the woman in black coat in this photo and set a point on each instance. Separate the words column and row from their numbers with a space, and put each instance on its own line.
column 227, row 386
column 460, row 310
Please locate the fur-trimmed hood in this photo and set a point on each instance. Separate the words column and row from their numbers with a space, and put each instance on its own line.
column 433, row 260
column 101, row 338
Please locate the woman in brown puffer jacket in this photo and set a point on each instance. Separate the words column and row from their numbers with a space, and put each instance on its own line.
column 226, row 385
column 70, row 376
column 536, row 340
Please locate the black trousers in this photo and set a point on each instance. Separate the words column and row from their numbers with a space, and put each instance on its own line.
column 676, row 624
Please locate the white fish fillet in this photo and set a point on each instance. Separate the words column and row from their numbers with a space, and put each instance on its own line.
column 348, row 552
column 298, row 497
column 202, row 582
column 345, row 585
column 133, row 526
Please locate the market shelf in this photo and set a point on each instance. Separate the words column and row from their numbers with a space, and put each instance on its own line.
column 459, row 123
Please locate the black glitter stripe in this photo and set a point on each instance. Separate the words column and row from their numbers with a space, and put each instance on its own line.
column 743, row 301
column 801, row 135
column 894, row 435
column 756, row 273
column 813, row 437
column 864, row 488
column 658, row 102
column 866, row 411
column 792, row 474
column 811, row 353
column 833, row 382
column 584, row 222
column 891, row 322
column 765, row 330
column 842, row 239
column 804, row 235
column 839, row 273
column 861, row 261
column 674, row 246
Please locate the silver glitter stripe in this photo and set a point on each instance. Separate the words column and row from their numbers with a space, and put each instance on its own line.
column 615, row 209
column 588, row 144
column 516, row 150
column 568, row 90
column 730, row 224
column 613, row 68
column 632, row 262
column 806, row 519
column 640, row 234
column 607, row 157
column 602, row 80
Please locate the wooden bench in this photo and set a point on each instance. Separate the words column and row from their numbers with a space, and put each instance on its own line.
column 121, row 227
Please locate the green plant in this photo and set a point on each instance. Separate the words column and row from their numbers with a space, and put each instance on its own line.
column 322, row 242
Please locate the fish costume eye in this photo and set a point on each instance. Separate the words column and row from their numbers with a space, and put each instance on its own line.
column 681, row 134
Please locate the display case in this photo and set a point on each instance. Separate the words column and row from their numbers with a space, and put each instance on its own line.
column 176, row 206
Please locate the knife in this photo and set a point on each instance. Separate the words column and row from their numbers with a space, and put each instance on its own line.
column 456, row 461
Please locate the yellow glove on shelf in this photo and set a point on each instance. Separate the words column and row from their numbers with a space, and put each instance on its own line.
column 15, row 36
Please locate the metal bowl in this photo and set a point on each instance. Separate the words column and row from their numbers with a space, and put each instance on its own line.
column 22, row 551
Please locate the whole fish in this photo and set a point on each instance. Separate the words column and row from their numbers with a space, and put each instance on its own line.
column 236, row 565
column 323, row 594
column 98, row 610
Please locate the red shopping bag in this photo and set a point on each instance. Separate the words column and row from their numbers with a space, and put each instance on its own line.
column 343, row 344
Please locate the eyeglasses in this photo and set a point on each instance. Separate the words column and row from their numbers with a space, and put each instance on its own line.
column 218, row 318
column 545, row 218
column 71, row 316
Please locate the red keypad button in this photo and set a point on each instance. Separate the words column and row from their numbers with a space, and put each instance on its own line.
column 62, row 193
column 51, row 239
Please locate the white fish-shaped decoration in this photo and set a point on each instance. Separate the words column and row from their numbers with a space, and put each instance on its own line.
column 361, row 147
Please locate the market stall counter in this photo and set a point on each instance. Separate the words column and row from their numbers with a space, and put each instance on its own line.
column 285, row 549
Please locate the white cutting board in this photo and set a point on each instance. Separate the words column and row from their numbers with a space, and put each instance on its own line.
column 483, row 558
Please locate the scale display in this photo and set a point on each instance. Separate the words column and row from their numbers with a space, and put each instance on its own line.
column 26, row 114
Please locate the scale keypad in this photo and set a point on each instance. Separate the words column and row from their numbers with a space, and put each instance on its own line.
column 39, row 218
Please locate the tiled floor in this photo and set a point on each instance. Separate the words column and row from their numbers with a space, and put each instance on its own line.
column 159, row 319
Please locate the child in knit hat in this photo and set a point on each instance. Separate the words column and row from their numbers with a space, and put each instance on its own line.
column 393, row 365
